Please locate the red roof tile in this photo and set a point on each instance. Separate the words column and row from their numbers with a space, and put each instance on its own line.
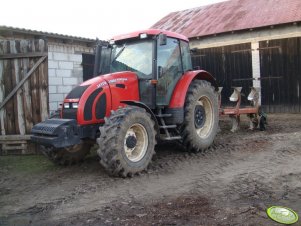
column 231, row 15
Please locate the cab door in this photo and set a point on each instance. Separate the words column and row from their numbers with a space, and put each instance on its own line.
column 170, row 69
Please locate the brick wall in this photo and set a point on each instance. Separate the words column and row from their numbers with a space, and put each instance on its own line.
column 65, row 70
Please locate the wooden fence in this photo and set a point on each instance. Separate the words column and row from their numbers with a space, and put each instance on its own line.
column 23, row 91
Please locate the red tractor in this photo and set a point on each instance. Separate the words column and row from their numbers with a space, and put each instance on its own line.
column 144, row 90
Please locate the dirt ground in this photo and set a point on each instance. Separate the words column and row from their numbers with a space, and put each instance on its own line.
column 232, row 183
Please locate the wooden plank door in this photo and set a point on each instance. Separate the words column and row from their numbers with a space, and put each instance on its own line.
column 280, row 66
column 29, row 105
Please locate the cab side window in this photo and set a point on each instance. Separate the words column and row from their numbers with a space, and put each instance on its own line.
column 169, row 62
column 186, row 57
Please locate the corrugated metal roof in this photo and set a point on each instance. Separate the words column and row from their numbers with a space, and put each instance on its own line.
column 230, row 16
column 6, row 30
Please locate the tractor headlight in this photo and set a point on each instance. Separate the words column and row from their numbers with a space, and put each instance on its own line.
column 66, row 105
column 74, row 105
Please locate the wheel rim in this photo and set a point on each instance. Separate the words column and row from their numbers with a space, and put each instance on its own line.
column 199, row 116
column 203, row 119
column 135, row 142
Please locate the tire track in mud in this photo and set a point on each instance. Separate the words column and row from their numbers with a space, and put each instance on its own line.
column 207, row 172
column 223, row 156
column 233, row 165
column 220, row 153
column 266, row 182
column 174, row 168
column 165, row 164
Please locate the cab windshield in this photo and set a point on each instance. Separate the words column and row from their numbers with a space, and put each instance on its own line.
column 133, row 56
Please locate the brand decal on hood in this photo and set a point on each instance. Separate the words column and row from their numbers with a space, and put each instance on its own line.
column 111, row 81
column 117, row 80
column 101, row 84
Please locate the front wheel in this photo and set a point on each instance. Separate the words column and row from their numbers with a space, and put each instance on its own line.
column 68, row 155
column 201, row 116
column 127, row 142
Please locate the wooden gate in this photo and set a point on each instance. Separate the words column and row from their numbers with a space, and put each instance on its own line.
column 23, row 91
column 280, row 68
column 230, row 65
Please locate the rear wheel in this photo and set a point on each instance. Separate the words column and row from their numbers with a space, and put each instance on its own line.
column 127, row 141
column 69, row 155
column 201, row 116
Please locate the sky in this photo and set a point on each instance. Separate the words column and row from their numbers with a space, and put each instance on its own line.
column 90, row 18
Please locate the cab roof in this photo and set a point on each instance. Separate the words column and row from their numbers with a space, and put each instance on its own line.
column 150, row 32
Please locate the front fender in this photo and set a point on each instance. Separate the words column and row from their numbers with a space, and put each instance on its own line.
column 142, row 105
column 179, row 93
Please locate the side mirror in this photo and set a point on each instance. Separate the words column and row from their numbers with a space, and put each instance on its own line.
column 160, row 71
column 97, row 60
column 162, row 39
column 104, row 60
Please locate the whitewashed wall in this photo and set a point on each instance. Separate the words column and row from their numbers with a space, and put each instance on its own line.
column 65, row 70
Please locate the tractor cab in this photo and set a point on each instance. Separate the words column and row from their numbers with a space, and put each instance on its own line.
column 158, row 58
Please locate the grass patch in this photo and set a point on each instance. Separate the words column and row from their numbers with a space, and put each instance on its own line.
column 26, row 164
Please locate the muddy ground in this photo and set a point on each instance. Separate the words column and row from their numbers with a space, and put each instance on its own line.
column 232, row 183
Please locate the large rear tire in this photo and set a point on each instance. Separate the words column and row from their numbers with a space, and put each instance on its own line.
column 201, row 116
column 127, row 141
column 68, row 155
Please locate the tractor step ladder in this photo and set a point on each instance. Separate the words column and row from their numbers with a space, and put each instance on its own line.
column 164, row 115
column 166, row 127
column 172, row 138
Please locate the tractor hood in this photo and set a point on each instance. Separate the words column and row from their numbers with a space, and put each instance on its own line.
column 110, row 78
column 94, row 99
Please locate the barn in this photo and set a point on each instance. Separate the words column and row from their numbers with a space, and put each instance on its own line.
column 247, row 43
column 37, row 70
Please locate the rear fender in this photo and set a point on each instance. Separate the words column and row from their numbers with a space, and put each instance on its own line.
column 180, row 91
